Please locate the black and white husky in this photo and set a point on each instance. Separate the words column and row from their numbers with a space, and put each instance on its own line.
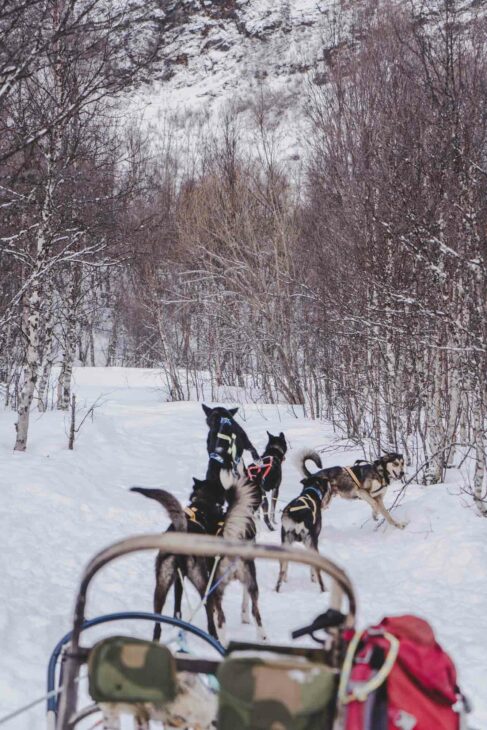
column 301, row 521
column 364, row 480
column 267, row 474
column 202, row 516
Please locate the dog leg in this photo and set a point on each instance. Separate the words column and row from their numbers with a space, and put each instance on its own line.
column 312, row 543
column 275, row 493
column 265, row 512
column 387, row 515
column 165, row 576
column 199, row 578
column 178, row 595
column 286, row 539
column 220, row 616
column 245, row 606
column 282, row 578
column 253, row 590
column 378, row 505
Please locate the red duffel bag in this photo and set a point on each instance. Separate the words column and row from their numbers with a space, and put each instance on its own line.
column 396, row 676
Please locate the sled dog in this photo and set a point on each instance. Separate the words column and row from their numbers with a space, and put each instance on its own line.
column 226, row 441
column 201, row 516
column 364, row 480
column 267, row 474
column 239, row 524
column 301, row 521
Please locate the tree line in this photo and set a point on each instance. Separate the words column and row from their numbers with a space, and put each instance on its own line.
column 357, row 288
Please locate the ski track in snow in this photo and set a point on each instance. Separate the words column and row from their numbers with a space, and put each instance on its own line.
column 59, row 507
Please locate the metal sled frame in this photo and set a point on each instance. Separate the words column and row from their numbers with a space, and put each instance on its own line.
column 174, row 544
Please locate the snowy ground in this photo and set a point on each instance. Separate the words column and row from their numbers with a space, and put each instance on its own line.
column 59, row 507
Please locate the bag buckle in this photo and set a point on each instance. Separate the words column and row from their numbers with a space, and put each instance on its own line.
column 365, row 659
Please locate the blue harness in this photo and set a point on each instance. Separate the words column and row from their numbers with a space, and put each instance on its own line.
column 304, row 502
column 232, row 446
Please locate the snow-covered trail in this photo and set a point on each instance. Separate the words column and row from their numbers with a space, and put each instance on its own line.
column 59, row 507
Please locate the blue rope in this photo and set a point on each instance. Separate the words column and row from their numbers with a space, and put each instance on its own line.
column 215, row 585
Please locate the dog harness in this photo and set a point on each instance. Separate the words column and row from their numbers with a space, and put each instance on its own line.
column 191, row 513
column 232, row 443
column 260, row 469
column 219, row 528
column 353, row 476
column 373, row 493
column 307, row 502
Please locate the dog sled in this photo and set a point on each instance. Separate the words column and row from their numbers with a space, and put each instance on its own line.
column 341, row 684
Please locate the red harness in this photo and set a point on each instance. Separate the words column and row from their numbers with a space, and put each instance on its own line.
column 260, row 470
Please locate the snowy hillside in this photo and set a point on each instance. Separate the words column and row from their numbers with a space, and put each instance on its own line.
column 236, row 53
column 59, row 507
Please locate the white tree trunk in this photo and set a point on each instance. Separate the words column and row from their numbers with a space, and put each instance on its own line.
column 33, row 309
column 479, row 473
column 64, row 382
column 49, row 357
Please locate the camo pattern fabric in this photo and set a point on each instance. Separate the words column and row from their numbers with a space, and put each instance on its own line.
column 123, row 669
column 284, row 694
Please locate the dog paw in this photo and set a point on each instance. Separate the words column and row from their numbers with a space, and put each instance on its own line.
column 261, row 634
column 401, row 525
column 245, row 618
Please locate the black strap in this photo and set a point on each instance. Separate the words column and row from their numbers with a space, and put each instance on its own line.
column 196, row 666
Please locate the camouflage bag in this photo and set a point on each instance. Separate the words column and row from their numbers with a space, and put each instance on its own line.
column 123, row 669
column 286, row 693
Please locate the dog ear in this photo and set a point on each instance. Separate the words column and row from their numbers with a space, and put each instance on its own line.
column 282, row 437
column 232, row 411
column 206, row 409
column 269, row 434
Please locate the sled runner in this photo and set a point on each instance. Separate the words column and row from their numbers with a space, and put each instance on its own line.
column 246, row 686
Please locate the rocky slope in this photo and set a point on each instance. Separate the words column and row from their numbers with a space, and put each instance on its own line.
column 245, row 52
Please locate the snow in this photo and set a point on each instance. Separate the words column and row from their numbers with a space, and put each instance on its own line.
column 58, row 507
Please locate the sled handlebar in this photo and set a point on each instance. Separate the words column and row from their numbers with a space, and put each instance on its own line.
column 328, row 620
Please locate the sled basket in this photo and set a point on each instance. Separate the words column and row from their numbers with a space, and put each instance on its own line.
column 124, row 669
column 275, row 691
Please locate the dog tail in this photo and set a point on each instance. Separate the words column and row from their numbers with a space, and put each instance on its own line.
column 307, row 455
column 172, row 506
column 239, row 519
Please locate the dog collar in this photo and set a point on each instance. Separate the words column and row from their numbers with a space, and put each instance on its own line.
column 217, row 457
column 315, row 490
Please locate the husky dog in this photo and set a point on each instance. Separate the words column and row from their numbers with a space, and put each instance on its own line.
column 301, row 521
column 267, row 474
column 364, row 480
column 239, row 524
column 201, row 516
column 226, row 441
